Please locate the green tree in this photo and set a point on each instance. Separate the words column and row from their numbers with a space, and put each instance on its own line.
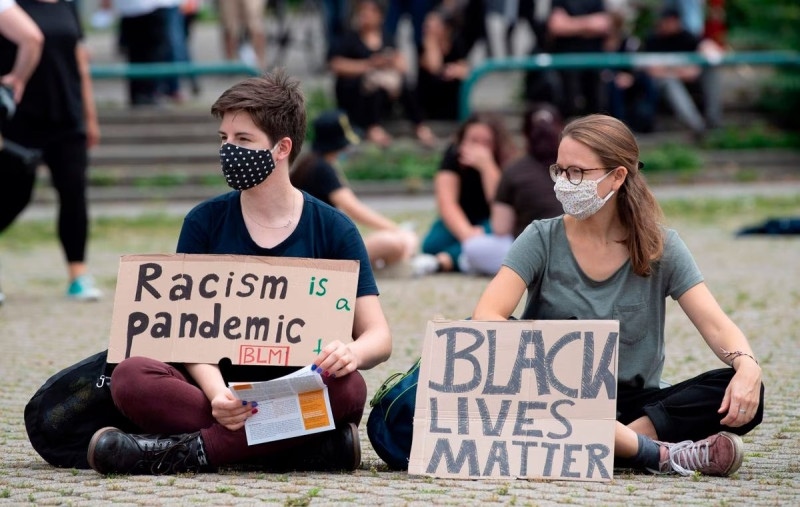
column 770, row 24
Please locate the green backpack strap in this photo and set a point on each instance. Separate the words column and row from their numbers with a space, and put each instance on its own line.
column 392, row 381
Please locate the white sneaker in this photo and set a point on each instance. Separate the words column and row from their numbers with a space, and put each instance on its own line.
column 424, row 264
column 84, row 289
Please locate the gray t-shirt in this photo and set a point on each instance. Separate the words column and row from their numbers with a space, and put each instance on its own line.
column 558, row 289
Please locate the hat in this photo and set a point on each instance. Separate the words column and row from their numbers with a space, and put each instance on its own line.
column 332, row 132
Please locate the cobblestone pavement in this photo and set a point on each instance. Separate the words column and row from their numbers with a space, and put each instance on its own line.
column 755, row 280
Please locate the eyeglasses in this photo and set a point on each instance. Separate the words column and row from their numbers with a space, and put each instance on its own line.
column 574, row 174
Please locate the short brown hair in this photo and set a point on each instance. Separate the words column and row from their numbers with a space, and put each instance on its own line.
column 614, row 144
column 275, row 104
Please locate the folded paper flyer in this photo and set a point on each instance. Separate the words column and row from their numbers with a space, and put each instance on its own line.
column 290, row 406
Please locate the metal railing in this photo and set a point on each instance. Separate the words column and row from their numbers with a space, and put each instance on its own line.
column 546, row 61
column 170, row 69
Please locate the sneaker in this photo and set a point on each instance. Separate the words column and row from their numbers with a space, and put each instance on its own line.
column 114, row 451
column 84, row 289
column 424, row 264
column 719, row 455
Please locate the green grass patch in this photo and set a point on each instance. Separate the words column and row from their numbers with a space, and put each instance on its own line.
column 395, row 163
column 756, row 136
column 672, row 157
column 750, row 208
column 120, row 230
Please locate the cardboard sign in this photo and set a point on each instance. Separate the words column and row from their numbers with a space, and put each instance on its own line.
column 517, row 399
column 252, row 310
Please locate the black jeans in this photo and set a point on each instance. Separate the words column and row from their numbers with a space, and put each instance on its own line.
column 65, row 154
column 685, row 411
column 145, row 38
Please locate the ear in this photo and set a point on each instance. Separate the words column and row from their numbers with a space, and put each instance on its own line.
column 282, row 149
column 619, row 176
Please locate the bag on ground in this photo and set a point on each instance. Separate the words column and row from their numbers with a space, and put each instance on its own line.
column 391, row 422
column 67, row 410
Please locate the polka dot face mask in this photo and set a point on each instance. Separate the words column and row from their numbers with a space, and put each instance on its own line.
column 244, row 168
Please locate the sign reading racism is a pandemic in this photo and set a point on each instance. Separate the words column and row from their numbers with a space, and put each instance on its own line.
column 517, row 399
column 251, row 310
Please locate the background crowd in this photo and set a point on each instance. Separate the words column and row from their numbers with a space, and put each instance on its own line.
column 374, row 81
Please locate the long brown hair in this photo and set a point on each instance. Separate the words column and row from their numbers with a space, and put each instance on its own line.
column 504, row 150
column 640, row 213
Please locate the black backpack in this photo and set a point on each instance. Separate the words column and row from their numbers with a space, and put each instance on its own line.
column 67, row 410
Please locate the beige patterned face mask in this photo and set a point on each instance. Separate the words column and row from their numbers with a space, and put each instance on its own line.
column 581, row 200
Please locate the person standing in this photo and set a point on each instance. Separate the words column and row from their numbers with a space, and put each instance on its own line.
column 56, row 116
column 19, row 28
column 578, row 26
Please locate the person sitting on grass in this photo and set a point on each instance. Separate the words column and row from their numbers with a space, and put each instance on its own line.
column 608, row 257
column 192, row 420
column 316, row 174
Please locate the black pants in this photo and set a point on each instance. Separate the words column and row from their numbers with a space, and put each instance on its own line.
column 66, row 156
column 685, row 411
column 367, row 109
column 145, row 38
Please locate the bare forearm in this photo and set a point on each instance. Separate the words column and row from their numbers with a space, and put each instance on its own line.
column 346, row 200
column 19, row 28
column 208, row 377
column 372, row 348
column 490, row 177
column 348, row 67
column 456, row 221
column 87, row 91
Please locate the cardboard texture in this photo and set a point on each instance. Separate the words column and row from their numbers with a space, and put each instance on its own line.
column 517, row 399
column 253, row 310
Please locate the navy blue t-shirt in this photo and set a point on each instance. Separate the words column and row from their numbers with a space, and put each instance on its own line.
column 217, row 226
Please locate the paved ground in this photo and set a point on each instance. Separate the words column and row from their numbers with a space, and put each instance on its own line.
column 755, row 280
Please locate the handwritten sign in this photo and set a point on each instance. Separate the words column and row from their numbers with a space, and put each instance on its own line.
column 252, row 310
column 517, row 399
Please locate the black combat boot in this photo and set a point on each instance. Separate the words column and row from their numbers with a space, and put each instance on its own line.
column 114, row 451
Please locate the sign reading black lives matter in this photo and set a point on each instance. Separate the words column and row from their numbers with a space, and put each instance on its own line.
column 517, row 399
column 252, row 310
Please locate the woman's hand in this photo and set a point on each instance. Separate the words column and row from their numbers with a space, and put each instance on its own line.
column 336, row 360
column 742, row 395
column 476, row 155
column 231, row 412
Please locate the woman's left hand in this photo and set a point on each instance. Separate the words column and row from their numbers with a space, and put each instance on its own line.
column 336, row 360
column 742, row 395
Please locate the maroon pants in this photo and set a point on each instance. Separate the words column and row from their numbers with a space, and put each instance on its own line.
column 159, row 398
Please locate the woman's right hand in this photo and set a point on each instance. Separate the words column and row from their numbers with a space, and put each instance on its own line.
column 231, row 412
